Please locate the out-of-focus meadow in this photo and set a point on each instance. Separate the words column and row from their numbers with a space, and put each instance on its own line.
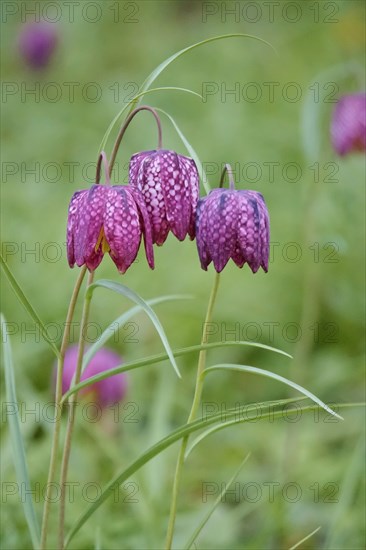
column 257, row 108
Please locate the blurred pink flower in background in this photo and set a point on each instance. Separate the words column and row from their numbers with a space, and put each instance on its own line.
column 348, row 128
column 105, row 392
column 37, row 43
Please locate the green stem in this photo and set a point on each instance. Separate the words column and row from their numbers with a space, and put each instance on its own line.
column 195, row 404
column 71, row 417
column 58, row 408
column 124, row 128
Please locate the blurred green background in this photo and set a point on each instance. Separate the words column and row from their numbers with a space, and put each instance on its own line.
column 310, row 304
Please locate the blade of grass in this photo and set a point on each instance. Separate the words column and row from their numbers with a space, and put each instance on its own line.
column 154, row 450
column 162, row 357
column 305, row 538
column 27, row 305
column 115, row 326
column 133, row 102
column 269, row 374
column 160, row 68
column 131, row 295
column 215, row 429
column 190, row 150
column 19, row 457
column 216, row 503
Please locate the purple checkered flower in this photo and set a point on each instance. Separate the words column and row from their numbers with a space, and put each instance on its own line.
column 348, row 128
column 233, row 224
column 37, row 43
column 170, row 185
column 108, row 219
column 105, row 392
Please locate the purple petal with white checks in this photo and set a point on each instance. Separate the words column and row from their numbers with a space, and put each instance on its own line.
column 233, row 224
column 122, row 227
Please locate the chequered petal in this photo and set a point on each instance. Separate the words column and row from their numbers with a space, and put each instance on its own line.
column 221, row 227
column 90, row 224
column 73, row 222
column 122, row 227
column 190, row 172
column 135, row 163
column 149, row 183
column 201, row 233
column 175, row 186
column 250, row 228
column 145, row 225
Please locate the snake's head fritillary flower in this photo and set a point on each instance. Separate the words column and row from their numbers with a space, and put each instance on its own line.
column 348, row 128
column 169, row 184
column 233, row 224
column 37, row 43
column 107, row 219
column 105, row 392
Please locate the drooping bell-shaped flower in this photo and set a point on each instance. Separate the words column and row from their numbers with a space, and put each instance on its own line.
column 107, row 219
column 169, row 184
column 348, row 128
column 37, row 43
column 105, row 392
column 233, row 224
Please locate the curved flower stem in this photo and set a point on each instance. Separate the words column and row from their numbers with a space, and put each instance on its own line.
column 124, row 128
column 103, row 158
column 229, row 172
column 58, row 409
column 71, row 417
column 192, row 414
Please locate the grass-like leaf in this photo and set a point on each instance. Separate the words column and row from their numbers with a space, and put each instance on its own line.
column 134, row 102
column 305, row 538
column 134, row 297
column 218, row 427
column 19, row 458
column 216, row 503
column 190, row 150
column 160, row 68
column 27, row 305
column 122, row 319
column 269, row 374
column 152, row 359
column 176, row 435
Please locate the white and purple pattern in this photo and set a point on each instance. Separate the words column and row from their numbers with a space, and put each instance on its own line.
column 169, row 184
column 233, row 224
column 348, row 129
column 112, row 219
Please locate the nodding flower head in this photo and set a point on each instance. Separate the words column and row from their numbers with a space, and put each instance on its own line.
column 107, row 219
column 169, row 184
column 348, row 128
column 233, row 224
column 105, row 392
column 37, row 43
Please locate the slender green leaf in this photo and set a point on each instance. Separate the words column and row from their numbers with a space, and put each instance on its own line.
column 216, row 503
column 305, row 538
column 133, row 103
column 191, row 151
column 20, row 462
column 154, row 450
column 269, row 374
column 152, row 359
column 160, row 68
column 131, row 295
column 27, row 305
column 248, row 409
column 122, row 319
